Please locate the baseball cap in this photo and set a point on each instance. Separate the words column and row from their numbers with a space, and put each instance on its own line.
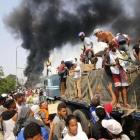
column 112, row 126
column 81, row 33
column 96, row 31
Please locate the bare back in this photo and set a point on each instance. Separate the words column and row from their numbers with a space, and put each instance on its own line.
column 105, row 36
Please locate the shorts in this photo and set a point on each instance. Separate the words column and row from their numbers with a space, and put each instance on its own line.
column 120, row 80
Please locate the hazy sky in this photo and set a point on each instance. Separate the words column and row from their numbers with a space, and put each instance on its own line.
column 8, row 44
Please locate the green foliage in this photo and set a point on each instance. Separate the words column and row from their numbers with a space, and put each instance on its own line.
column 1, row 71
column 7, row 84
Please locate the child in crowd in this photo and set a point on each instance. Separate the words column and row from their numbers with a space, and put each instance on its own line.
column 72, row 126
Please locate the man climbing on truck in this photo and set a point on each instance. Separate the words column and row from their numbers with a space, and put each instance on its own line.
column 104, row 36
column 88, row 45
column 77, row 80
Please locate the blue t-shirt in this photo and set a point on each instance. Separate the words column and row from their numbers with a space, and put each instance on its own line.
column 43, row 130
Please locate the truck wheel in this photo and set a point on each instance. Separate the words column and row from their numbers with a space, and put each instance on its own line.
column 70, row 110
column 83, row 119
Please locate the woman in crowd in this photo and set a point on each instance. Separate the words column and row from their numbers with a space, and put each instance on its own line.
column 35, row 109
column 72, row 126
column 25, row 117
column 9, row 118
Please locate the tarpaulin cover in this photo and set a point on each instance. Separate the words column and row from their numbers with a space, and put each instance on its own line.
column 100, row 77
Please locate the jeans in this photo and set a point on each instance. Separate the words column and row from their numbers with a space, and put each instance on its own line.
column 88, row 57
column 124, row 48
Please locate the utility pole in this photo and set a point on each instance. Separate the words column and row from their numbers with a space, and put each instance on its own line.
column 16, row 66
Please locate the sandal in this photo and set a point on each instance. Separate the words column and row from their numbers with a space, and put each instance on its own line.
column 128, row 106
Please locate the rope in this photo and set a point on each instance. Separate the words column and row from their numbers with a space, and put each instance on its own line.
column 133, row 88
column 90, row 91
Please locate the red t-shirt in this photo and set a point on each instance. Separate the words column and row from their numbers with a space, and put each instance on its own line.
column 61, row 67
column 29, row 94
column 108, row 108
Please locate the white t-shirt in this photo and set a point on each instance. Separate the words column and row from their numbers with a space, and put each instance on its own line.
column 8, row 127
column 2, row 109
column 87, row 43
column 77, row 74
column 113, row 56
column 70, row 59
column 80, row 136
column 19, row 107
column 65, row 130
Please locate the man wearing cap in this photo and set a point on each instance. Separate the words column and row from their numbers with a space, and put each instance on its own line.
column 88, row 45
column 114, row 129
column 77, row 80
column 104, row 36
column 98, row 131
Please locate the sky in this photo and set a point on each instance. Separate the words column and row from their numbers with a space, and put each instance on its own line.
column 8, row 44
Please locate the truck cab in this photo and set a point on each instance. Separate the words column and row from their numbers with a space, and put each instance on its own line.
column 51, row 84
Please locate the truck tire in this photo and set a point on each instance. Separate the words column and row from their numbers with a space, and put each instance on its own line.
column 83, row 118
column 70, row 110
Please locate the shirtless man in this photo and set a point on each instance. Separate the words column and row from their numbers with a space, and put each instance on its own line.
column 104, row 36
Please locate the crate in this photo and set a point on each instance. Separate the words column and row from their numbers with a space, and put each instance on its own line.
column 87, row 67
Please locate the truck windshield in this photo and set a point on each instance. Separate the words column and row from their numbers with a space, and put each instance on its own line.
column 55, row 80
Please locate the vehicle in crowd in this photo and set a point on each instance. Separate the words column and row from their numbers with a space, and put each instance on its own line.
column 81, row 108
column 51, row 86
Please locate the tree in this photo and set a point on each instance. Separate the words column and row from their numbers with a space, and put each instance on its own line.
column 7, row 84
column 1, row 71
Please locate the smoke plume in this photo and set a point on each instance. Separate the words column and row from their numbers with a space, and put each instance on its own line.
column 47, row 24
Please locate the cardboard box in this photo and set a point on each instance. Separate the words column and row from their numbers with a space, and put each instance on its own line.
column 99, row 48
column 52, row 108
column 87, row 67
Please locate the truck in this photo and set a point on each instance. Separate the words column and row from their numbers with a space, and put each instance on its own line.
column 129, row 118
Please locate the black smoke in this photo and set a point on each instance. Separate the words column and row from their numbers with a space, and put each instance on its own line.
column 47, row 24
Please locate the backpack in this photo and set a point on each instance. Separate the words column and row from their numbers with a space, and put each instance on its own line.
column 18, row 127
column 121, row 39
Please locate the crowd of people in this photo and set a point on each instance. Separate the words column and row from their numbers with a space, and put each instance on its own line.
column 19, row 122
column 24, row 113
